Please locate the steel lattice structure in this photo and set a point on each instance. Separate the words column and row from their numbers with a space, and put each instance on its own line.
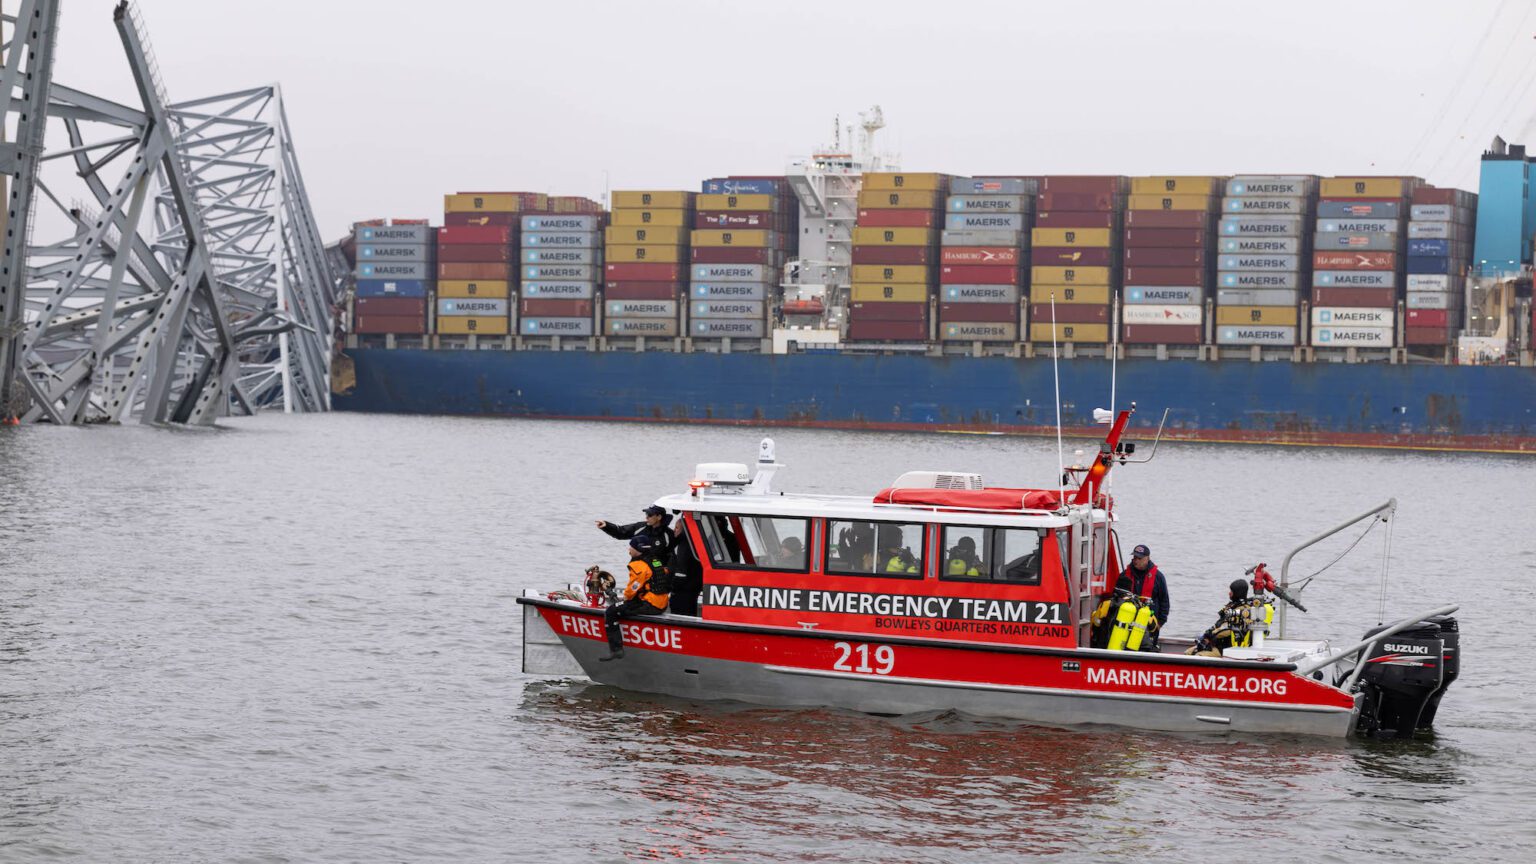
column 187, row 278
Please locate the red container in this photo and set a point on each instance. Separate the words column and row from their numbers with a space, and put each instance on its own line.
column 644, row 271
column 454, row 220
column 1066, row 256
column 888, row 312
column 1193, row 276
column 1076, row 219
column 1435, row 195
column 760, row 219
column 1085, row 184
column 887, row 331
column 734, row 255
column 391, row 307
column 1165, row 237
column 1104, row 202
column 476, row 235
column 1069, row 313
column 391, row 324
column 477, row 254
column 556, row 308
column 1001, row 312
column 1354, row 260
column 1164, row 256
column 977, row 274
column 1167, row 219
column 1369, row 298
column 899, row 219
column 1427, row 335
column 642, row 290
column 892, row 254
column 995, row 256
column 465, row 270
column 1429, row 318
column 1163, row 334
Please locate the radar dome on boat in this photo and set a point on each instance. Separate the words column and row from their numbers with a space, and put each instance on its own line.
column 721, row 473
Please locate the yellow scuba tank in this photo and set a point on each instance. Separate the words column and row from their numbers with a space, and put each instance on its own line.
column 1139, row 627
column 1125, row 623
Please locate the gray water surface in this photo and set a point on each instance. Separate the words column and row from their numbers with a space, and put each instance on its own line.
column 295, row 639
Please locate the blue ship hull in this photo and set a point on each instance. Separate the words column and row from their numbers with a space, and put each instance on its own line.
column 1478, row 408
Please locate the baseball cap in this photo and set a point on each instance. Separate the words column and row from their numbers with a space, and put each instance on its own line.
column 1140, row 550
column 641, row 543
column 653, row 510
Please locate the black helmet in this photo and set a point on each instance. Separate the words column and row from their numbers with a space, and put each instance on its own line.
column 1239, row 589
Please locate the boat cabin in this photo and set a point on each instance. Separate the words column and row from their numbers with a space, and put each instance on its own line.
column 937, row 555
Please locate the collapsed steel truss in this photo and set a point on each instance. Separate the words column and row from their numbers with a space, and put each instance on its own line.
column 188, row 278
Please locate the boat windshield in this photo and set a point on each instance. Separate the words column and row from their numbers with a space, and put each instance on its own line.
column 755, row 542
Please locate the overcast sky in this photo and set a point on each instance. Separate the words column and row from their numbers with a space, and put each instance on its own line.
column 394, row 103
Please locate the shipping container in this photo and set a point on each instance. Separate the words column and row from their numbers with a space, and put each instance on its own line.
column 555, row 326
column 1167, row 219
column 1352, row 316
column 560, row 290
column 1447, row 230
column 892, row 273
column 586, row 273
column 1163, row 295
column 989, row 255
column 735, row 201
column 1163, row 334
column 626, row 254
column 1332, row 260
column 1263, row 226
column 979, row 331
column 1365, row 187
column 394, row 252
column 993, row 312
column 1438, row 213
column 1080, row 333
column 1261, row 245
column 474, row 235
column 1364, row 297
column 1162, row 315
column 1164, row 237
column 1069, row 313
column 658, row 327
column 1426, row 266
column 722, row 219
column 1432, row 300
column 1430, row 282
column 1171, row 276
column 1197, row 203
column 726, row 309
column 1428, row 336
column 1272, row 185
column 710, row 328
column 730, row 272
column 771, row 258
column 561, row 256
column 547, row 308
column 417, row 234
column 887, row 331
column 1360, row 226
column 1253, row 334
column 410, row 325
column 1451, row 197
column 743, row 237
column 392, row 287
column 1437, row 248
column 1203, row 186
column 642, row 290
column 474, row 288
column 477, row 255
column 1009, row 294
column 730, row 291
column 1070, row 275
column 1280, row 316
column 471, row 220
column 893, row 236
column 645, row 235
column 1325, row 240
column 905, row 255
column 640, row 308
column 986, row 221
column 1163, row 256
column 1428, row 318
column 1087, row 294
column 1258, row 297
column 391, row 307
column 989, row 204
column 1089, row 237
column 652, row 200
column 1261, row 205
column 900, row 218
column 1074, row 256
column 1354, row 279
column 1271, row 279
column 993, row 186
column 874, row 199
column 657, row 218
column 1077, row 219
column 745, row 186
column 984, row 238
column 463, row 325
column 978, row 274
column 494, row 202
column 1103, row 202
column 1361, row 209
column 478, row 306
column 888, row 311
column 876, row 292
column 472, row 271
column 1356, row 337
column 897, row 181
column 1085, row 184
column 590, row 222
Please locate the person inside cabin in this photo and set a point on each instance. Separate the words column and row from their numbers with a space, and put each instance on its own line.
column 895, row 557
column 646, row 593
column 1149, row 582
column 791, row 554
column 856, row 547
column 962, row 559
column 1231, row 623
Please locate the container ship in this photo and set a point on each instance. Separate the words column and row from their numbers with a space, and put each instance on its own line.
column 1370, row 311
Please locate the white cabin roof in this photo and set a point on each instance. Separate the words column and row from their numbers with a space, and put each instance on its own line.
column 804, row 506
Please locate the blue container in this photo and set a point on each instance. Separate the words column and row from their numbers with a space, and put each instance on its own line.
column 1336, row 209
column 1429, row 248
column 392, row 287
column 724, row 186
column 1422, row 264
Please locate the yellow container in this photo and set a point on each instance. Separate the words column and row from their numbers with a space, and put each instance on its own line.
column 1364, row 187
column 893, row 236
column 459, row 288
column 889, row 199
column 646, row 234
column 626, row 253
column 1098, row 238
column 1170, row 202
column 1279, row 316
column 647, row 200
column 1174, row 185
column 900, row 273
column 1067, row 295
column 885, row 180
column 734, row 202
column 457, row 325
column 876, row 292
column 658, row 218
column 489, row 203
column 1068, row 275
column 753, row 237
column 1097, row 333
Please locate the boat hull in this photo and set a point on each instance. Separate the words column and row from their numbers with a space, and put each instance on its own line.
column 1428, row 407
column 690, row 658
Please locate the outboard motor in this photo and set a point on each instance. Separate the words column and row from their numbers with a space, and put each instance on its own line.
column 1402, row 674
column 1450, row 634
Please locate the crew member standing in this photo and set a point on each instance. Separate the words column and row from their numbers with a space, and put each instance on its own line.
column 655, row 527
column 1147, row 581
column 642, row 596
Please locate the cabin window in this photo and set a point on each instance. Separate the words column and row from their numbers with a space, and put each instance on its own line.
column 755, row 542
column 977, row 554
column 875, row 548
column 1100, row 548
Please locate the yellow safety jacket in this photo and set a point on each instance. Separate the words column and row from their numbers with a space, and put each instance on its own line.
column 898, row 564
column 962, row 567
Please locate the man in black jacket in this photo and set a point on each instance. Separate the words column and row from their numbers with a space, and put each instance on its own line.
column 672, row 549
column 654, row 527
column 1149, row 582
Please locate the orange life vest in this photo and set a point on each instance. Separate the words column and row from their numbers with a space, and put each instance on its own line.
column 640, row 583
